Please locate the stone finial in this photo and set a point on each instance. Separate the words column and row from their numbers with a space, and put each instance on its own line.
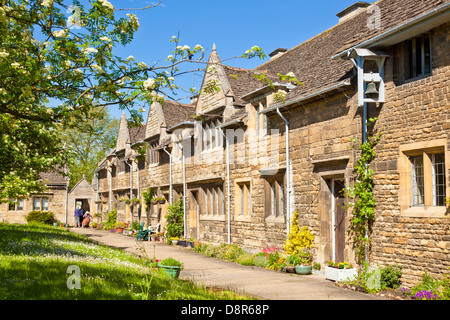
column 214, row 47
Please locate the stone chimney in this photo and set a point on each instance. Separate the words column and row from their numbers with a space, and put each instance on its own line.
column 278, row 52
column 352, row 11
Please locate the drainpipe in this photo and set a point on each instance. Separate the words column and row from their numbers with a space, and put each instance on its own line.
column 67, row 202
column 110, row 189
column 170, row 175
column 288, row 174
column 131, row 189
column 96, row 205
column 228, row 185
column 137, row 186
column 184, row 188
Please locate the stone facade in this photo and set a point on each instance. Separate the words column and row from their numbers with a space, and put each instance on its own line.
column 323, row 117
column 85, row 195
column 54, row 199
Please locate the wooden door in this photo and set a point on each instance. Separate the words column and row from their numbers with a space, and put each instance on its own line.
column 339, row 219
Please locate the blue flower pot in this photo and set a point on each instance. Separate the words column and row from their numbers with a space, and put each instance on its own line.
column 303, row 269
column 171, row 271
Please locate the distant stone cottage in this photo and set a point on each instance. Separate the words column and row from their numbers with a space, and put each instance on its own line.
column 54, row 200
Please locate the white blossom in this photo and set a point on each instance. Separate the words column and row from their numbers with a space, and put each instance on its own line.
column 47, row 3
column 131, row 58
column 104, row 38
column 68, row 63
column 15, row 65
column 149, row 84
column 141, row 110
column 186, row 48
column 106, row 4
column 59, row 33
column 198, row 47
column 134, row 20
column 170, row 57
column 290, row 75
column 86, row 51
column 97, row 67
column 3, row 54
column 142, row 65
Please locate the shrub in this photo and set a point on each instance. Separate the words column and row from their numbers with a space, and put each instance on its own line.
column 298, row 238
column 111, row 219
column 210, row 251
column 432, row 289
column 260, row 260
column 229, row 251
column 171, row 262
column 45, row 217
column 274, row 259
column 390, row 277
column 246, row 259
column 174, row 218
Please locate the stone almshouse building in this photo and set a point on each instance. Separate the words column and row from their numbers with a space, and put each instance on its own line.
column 251, row 161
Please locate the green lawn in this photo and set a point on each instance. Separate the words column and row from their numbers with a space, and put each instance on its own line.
column 34, row 262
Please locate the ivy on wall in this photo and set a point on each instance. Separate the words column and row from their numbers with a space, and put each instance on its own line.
column 361, row 197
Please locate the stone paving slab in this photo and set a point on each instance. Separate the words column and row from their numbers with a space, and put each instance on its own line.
column 211, row 272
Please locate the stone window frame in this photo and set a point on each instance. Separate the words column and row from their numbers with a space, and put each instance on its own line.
column 426, row 150
column 213, row 198
column 41, row 203
column 406, row 60
column 16, row 205
column 275, row 189
column 243, row 206
column 153, row 156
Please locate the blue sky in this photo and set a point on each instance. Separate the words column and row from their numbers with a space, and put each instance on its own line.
column 234, row 26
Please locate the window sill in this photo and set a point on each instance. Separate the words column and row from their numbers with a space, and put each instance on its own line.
column 210, row 217
column 422, row 212
column 274, row 219
column 412, row 80
column 242, row 218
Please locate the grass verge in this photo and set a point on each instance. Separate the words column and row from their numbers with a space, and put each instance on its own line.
column 37, row 262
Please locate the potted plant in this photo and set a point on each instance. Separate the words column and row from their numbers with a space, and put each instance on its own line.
column 190, row 242
column 174, row 241
column 120, row 226
column 182, row 242
column 304, row 263
column 316, row 268
column 291, row 261
column 161, row 200
column 154, row 200
column 135, row 201
column 339, row 271
column 171, row 267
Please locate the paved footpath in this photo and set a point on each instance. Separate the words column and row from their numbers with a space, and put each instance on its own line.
column 211, row 272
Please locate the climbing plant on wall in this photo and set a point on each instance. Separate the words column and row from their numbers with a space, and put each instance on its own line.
column 361, row 197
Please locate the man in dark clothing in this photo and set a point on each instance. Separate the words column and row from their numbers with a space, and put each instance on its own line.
column 78, row 216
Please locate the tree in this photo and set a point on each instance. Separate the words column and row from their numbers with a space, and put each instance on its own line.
column 88, row 138
column 52, row 67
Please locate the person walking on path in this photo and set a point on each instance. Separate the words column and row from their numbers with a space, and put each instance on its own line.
column 78, row 216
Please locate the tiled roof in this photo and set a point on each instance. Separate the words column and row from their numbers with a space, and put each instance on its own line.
column 393, row 13
column 137, row 133
column 243, row 81
column 54, row 177
column 175, row 112
column 311, row 61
